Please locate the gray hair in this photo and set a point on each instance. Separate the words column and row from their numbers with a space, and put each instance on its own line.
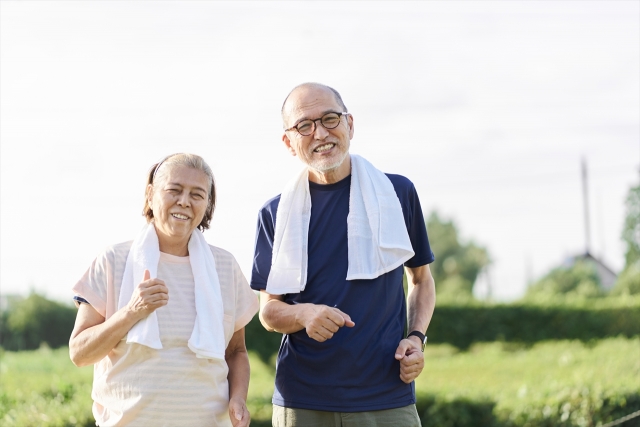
column 158, row 172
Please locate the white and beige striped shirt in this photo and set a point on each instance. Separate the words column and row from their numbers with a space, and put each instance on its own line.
column 137, row 385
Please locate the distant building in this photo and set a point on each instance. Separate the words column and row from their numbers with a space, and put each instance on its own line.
column 605, row 274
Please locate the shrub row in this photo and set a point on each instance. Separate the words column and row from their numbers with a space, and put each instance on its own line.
column 572, row 407
column 461, row 326
column 34, row 320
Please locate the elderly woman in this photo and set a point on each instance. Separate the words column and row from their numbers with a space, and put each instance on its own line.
column 162, row 318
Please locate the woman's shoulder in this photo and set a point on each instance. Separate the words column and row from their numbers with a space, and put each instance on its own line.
column 222, row 255
column 115, row 252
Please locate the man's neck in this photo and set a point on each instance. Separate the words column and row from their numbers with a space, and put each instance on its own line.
column 331, row 176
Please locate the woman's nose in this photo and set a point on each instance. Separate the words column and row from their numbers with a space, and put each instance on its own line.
column 183, row 200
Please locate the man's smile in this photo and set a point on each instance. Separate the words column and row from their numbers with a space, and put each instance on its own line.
column 324, row 147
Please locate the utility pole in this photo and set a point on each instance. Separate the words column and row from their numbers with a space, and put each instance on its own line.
column 585, row 196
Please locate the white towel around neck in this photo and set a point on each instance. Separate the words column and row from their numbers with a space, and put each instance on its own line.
column 378, row 241
column 207, row 339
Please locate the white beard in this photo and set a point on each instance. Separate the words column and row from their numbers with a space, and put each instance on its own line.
column 321, row 166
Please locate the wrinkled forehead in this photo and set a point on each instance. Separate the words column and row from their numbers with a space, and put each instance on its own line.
column 309, row 102
column 182, row 174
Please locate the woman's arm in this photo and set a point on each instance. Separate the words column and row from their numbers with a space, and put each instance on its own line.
column 93, row 337
column 239, row 371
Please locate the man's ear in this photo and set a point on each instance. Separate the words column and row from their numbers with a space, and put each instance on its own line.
column 287, row 143
column 350, row 123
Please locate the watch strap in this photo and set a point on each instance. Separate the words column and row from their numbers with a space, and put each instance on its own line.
column 420, row 335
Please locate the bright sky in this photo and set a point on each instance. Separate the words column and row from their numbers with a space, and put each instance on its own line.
column 487, row 107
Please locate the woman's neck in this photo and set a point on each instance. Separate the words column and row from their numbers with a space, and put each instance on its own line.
column 172, row 247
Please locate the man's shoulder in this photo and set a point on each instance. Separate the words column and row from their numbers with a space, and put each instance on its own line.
column 400, row 182
column 271, row 205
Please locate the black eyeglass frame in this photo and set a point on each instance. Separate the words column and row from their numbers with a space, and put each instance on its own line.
column 313, row 126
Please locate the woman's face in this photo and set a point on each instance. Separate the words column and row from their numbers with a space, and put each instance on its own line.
column 179, row 201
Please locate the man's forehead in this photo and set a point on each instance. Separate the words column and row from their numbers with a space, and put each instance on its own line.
column 310, row 99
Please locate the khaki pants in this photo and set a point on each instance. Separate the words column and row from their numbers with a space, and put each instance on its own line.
column 406, row 416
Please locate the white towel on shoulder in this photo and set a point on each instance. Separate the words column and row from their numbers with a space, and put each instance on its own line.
column 207, row 339
column 378, row 241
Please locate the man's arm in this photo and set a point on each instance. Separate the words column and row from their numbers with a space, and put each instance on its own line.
column 320, row 321
column 421, row 302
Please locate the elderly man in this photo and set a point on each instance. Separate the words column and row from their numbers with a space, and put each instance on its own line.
column 328, row 262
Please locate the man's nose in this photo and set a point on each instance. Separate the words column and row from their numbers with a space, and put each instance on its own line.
column 321, row 132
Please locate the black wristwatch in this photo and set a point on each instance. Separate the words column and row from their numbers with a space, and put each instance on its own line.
column 420, row 335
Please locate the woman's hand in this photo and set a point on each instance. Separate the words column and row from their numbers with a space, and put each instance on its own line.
column 239, row 413
column 148, row 296
column 238, row 376
column 93, row 337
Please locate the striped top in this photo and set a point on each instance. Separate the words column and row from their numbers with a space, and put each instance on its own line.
column 137, row 385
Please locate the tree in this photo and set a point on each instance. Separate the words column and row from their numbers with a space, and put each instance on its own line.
column 576, row 280
column 457, row 263
column 34, row 320
column 629, row 280
column 631, row 231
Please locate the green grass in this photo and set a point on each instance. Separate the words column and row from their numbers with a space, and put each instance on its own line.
column 509, row 373
column 43, row 388
column 520, row 385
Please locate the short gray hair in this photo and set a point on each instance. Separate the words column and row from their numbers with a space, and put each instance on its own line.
column 159, row 170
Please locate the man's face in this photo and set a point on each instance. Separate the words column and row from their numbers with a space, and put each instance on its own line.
column 325, row 149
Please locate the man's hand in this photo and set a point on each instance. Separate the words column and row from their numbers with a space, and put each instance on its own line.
column 411, row 358
column 239, row 413
column 322, row 322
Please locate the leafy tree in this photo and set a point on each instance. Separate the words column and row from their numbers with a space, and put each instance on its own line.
column 578, row 280
column 631, row 231
column 629, row 280
column 457, row 263
column 34, row 320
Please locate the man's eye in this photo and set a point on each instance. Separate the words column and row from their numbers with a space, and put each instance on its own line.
column 304, row 126
column 330, row 121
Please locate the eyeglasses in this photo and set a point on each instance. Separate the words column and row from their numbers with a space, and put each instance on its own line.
column 328, row 121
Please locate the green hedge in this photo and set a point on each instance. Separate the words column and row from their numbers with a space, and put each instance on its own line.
column 461, row 326
column 34, row 320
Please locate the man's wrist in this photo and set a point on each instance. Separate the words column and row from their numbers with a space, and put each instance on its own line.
column 418, row 337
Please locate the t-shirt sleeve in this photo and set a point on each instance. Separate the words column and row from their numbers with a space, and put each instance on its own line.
column 247, row 303
column 263, row 251
column 93, row 285
column 416, row 227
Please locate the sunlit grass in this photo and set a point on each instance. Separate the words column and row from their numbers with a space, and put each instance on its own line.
column 43, row 388
column 508, row 373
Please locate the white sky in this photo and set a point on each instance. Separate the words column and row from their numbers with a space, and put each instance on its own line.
column 487, row 107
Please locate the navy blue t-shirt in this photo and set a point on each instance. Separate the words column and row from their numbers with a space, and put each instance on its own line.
column 356, row 369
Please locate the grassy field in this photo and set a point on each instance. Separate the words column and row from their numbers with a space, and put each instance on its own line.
column 43, row 388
